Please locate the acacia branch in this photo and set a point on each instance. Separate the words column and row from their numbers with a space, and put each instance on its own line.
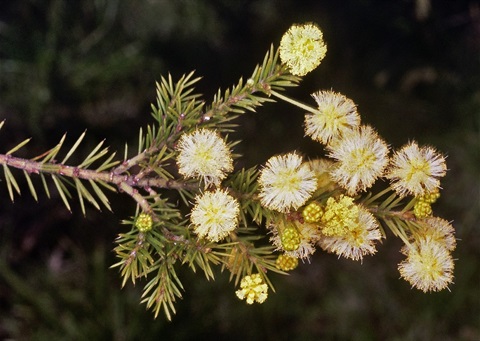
column 125, row 183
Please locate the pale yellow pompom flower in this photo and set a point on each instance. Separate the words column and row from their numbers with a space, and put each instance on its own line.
column 348, row 229
column 357, row 239
column 414, row 170
column 429, row 265
column 335, row 115
column 361, row 157
column 204, row 154
column 438, row 230
column 215, row 215
column 321, row 168
column 253, row 289
column 302, row 48
column 286, row 182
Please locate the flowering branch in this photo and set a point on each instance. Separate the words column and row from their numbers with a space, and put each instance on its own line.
column 256, row 221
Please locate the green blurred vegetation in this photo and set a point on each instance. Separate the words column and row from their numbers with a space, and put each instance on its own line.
column 413, row 68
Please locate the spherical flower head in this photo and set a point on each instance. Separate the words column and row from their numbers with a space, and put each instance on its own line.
column 204, row 154
column 340, row 215
column 358, row 240
column 438, row 230
column 428, row 267
column 361, row 157
column 336, row 114
column 253, row 289
column 214, row 215
column 422, row 209
column 321, row 168
column 414, row 170
column 286, row 182
column 302, row 48
column 286, row 263
column 144, row 222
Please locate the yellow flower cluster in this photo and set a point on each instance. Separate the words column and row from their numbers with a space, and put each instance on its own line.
column 416, row 170
column 422, row 209
column 204, row 154
column 430, row 197
column 423, row 205
column 286, row 263
column 361, row 156
column 286, row 182
column 429, row 264
column 335, row 115
column 294, row 238
column 438, row 230
column 302, row 48
column 358, row 236
column 340, row 216
column 347, row 229
column 144, row 222
column 290, row 239
column 215, row 215
column 253, row 289
column 358, row 156
column 322, row 168
column 312, row 213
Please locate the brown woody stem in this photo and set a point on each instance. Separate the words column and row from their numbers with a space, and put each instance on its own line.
column 125, row 183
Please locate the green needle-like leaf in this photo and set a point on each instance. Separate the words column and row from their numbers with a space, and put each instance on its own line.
column 53, row 152
column 103, row 198
column 106, row 185
column 93, row 155
column 141, row 141
column 75, row 146
column 11, row 182
column 30, row 185
column 45, row 186
column 107, row 164
column 62, row 190
column 84, row 193
column 18, row 146
column 80, row 199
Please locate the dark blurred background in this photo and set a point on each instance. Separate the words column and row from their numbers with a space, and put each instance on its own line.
column 413, row 68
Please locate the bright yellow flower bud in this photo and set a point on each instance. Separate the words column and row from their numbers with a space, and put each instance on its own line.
column 312, row 213
column 290, row 239
column 286, row 263
column 144, row 222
